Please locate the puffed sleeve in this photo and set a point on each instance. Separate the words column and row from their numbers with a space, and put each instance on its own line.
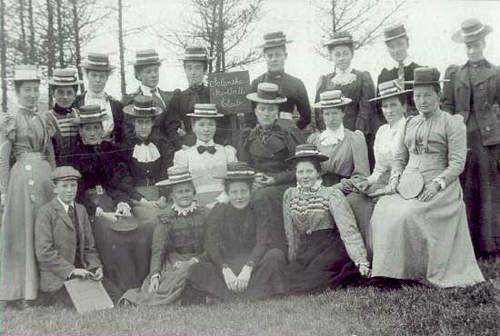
column 366, row 110
column 290, row 232
column 346, row 223
column 401, row 154
column 159, row 244
column 293, row 138
column 303, row 106
column 7, row 134
column 262, row 219
column 448, row 95
column 313, row 138
column 381, row 166
column 230, row 153
column 181, row 158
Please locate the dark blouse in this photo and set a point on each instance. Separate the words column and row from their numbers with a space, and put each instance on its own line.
column 233, row 232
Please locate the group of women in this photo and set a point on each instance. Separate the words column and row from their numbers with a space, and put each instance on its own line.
column 181, row 213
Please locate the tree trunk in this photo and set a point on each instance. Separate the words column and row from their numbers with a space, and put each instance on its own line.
column 32, row 47
column 3, row 56
column 60, row 34
column 121, row 45
column 78, row 48
column 51, row 57
column 334, row 18
column 220, row 37
column 24, row 49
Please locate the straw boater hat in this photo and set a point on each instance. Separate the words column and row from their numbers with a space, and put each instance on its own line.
column 390, row 89
column 307, row 151
column 25, row 73
column 394, row 31
column 471, row 30
column 142, row 107
column 333, row 98
column 340, row 38
column 64, row 77
column 176, row 175
column 274, row 39
column 426, row 76
column 91, row 114
column 97, row 62
column 195, row 54
column 267, row 93
column 238, row 171
column 65, row 173
column 146, row 57
column 205, row 111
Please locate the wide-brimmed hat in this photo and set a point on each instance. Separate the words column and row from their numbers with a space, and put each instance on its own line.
column 394, row 31
column 195, row 54
column 97, row 62
column 267, row 93
column 340, row 38
column 176, row 175
column 146, row 57
column 471, row 30
column 332, row 98
column 274, row 39
column 426, row 76
column 91, row 114
column 390, row 89
column 65, row 173
column 142, row 107
column 238, row 171
column 307, row 151
column 205, row 111
column 25, row 73
column 64, row 77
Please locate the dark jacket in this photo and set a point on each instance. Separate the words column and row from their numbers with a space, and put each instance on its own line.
column 56, row 244
column 475, row 91
column 293, row 89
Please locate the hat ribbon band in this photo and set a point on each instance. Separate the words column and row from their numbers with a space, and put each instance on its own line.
column 274, row 40
column 331, row 101
column 64, row 79
column 474, row 32
column 144, row 108
column 195, row 55
column 389, row 91
column 267, row 95
column 180, row 176
column 307, row 151
column 90, row 62
column 241, row 172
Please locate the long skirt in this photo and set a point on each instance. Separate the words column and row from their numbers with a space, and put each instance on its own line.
column 481, row 183
column 267, row 280
column 29, row 188
column 362, row 206
column 424, row 241
column 172, row 283
column 322, row 262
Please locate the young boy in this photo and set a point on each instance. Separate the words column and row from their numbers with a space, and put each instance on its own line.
column 64, row 243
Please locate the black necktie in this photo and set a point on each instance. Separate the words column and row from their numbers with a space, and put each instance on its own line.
column 202, row 149
column 74, row 219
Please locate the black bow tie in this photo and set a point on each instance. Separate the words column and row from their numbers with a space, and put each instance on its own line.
column 202, row 149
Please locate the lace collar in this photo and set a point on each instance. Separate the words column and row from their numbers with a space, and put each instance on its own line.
column 312, row 189
column 332, row 137
column 183, row 212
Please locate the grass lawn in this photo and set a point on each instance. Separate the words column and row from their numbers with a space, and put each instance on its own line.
column 354, row 311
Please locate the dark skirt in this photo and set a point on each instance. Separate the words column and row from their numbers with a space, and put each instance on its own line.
column 321, row 263
column 267, row 280
column 481, row 184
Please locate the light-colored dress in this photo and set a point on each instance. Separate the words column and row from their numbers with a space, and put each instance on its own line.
column 205, row 167
column 27, row 187
column 427, row 241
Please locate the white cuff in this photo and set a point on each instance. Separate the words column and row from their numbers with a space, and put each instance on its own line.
column 440, row 181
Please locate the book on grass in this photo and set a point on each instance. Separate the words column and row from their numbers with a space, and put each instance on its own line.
column 88, row 295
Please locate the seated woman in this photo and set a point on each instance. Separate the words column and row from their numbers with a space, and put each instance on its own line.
column 206, row 159
column 177, row 244
column 346, row 150
column 325, row 248
column 419, row 231
column 106, row 190
column 240, row 265
column 393, row 103
column 265, row 148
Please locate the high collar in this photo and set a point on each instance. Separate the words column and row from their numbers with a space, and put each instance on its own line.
column 64, row 205
column 147, row 91
column 406, row 62
column 62, row 110
column 312, row 189
column 276, row 74
column 202, row 143
column 346, row 71
column 434, row 115
column 332, row 137
column 183, row 212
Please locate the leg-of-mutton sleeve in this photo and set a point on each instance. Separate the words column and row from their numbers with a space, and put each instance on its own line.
column 303, row 106
column 346, row 223
column 360, row 155
column 401, row 154
column 159, row 245
column 181, row 158
column 366, row 110
column 290, row 232
column 7, row 134
column 448, row 95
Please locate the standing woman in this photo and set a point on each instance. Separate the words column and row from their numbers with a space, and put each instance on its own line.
column 474, row 92
column 359, row 114
column 346, row 150
column 325, row 248
column 24, row 188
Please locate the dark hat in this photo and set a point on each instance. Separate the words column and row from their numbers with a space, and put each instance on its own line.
column 65, row 173
column 142, row 107
column 97, row 62
column 307, row 151
column 238, row 171
column 147, row 57
column 390, row 89
column 274, row 39
column 91, row 114
column 205, row 111
column 25, row 73
column 395, row 31
column 426, row 76
column 176, row 175
column 471, row 30
column 267, row 93
column 333, row 98
column 64, row 77
column 340, row 38
column 196, row 54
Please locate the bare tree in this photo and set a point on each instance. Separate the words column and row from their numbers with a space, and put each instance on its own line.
column 3, row 56
column 363, row 18
column 32, row 47
column 50, row 41
column 121, row 49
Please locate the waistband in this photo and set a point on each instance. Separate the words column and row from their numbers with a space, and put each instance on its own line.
column 30, row 156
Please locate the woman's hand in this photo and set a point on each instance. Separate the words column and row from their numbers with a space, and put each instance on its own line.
column 243, row 278
column 362, row 185
column 262, row 180
column 154, row 283
column 161, row 202
column 98, row 275
column 110, row 216
column 80, row 273
column 123, row 210
column 429, row 192
column 3, row 201
column 364, row 270
column 229, row 279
